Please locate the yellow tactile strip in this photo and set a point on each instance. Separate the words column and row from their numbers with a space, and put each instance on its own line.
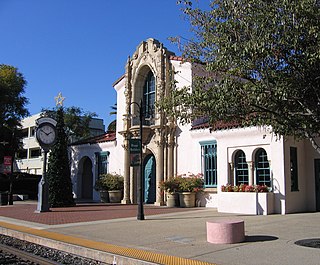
column 105, row 247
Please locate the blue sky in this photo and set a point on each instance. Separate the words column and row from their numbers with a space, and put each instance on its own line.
column 80, row 47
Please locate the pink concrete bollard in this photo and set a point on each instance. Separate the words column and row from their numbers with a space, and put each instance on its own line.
column 225, row 231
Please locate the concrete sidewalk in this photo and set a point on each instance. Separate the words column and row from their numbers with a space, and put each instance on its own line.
column 269, row 239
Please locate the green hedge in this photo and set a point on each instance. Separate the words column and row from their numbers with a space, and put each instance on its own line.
column 23, row 183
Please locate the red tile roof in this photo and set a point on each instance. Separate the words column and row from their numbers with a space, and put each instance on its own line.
column 219, row 125
column 107, row 137
column 176, row 58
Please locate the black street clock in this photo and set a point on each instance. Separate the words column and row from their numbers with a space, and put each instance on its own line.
column 46, row 133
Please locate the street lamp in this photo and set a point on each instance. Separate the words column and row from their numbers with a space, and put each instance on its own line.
column 10, row 171
column 140, row 214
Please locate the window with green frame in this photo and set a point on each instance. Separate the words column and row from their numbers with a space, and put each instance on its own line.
column 149, row 96
column 262, row 168
column 241, row 168
column 209, row 163
column 103, row 162
column 294, row 168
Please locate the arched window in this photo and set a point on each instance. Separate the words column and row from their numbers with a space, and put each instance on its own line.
column 241, row 168
column 262, row 168
column 149, row 96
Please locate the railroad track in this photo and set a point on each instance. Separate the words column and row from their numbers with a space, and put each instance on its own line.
column 27, row 256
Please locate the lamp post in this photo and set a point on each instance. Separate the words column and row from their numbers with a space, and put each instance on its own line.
column 43, row 188
column 10, row 171
column 140, row 214
column 11, row 176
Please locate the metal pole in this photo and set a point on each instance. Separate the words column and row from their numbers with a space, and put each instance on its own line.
column 11, row 176
column 43, row 192
column 140, row 182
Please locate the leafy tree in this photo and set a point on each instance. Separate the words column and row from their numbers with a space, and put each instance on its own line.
column 12, row 108
column 58, row 175
column 260, row 65
column 112, row 127
column 114, row 109
column 76, row 122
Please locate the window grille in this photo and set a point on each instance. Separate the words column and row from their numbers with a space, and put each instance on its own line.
column 241, row 168
column 209, row 163
column 262, row 168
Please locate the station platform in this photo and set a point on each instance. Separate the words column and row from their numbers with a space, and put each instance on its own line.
column 112, row 234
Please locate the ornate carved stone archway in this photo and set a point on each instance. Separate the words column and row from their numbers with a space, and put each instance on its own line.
column 158, row 136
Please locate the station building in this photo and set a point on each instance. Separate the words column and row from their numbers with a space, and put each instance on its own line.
column 231, row 154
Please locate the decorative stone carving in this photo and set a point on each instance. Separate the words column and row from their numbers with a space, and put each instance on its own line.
column 125, row 145
column 150, row 55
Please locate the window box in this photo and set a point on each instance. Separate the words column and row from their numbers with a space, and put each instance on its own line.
column 257, row 203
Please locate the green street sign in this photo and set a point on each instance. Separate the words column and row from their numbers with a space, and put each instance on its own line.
column 135, row 148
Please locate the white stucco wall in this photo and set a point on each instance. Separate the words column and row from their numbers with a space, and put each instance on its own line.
column 121, row 102
column 117, row 153
column 79, row 152
column 310, row 155
column 183, row 73
column 304, row 198
column 189, row 149
column 228, row 142
column 249, row 140
column 185, row 147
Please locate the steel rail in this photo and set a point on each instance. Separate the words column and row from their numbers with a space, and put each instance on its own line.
column 27, row 256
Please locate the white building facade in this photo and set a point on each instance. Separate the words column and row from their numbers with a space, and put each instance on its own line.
column 29, row 159
column 229, row 155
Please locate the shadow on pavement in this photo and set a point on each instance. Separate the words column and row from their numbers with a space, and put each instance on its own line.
column 260, row 238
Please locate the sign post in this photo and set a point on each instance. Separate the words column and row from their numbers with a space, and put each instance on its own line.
column 7, row 163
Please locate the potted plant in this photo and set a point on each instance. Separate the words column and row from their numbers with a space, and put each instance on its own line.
column 189, row 185
column 110, row 187
column 170, row 187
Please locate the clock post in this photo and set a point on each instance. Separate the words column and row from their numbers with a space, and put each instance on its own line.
column 46, row 136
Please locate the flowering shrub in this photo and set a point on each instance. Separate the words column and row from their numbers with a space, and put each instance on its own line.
column 108, row 182
column 244, row 188
column 190, row 182
column 170, row 185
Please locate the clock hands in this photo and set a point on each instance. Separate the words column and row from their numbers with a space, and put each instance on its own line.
column 47, row 134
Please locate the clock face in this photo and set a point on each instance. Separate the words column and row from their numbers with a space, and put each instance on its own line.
column 46, row 134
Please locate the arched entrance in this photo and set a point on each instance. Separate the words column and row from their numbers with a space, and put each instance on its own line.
column 150, row 179
column 87, row 179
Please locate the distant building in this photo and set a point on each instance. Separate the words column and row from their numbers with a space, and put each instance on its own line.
column 29, row 159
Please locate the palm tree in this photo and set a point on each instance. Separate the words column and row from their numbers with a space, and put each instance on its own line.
column 112, row 125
